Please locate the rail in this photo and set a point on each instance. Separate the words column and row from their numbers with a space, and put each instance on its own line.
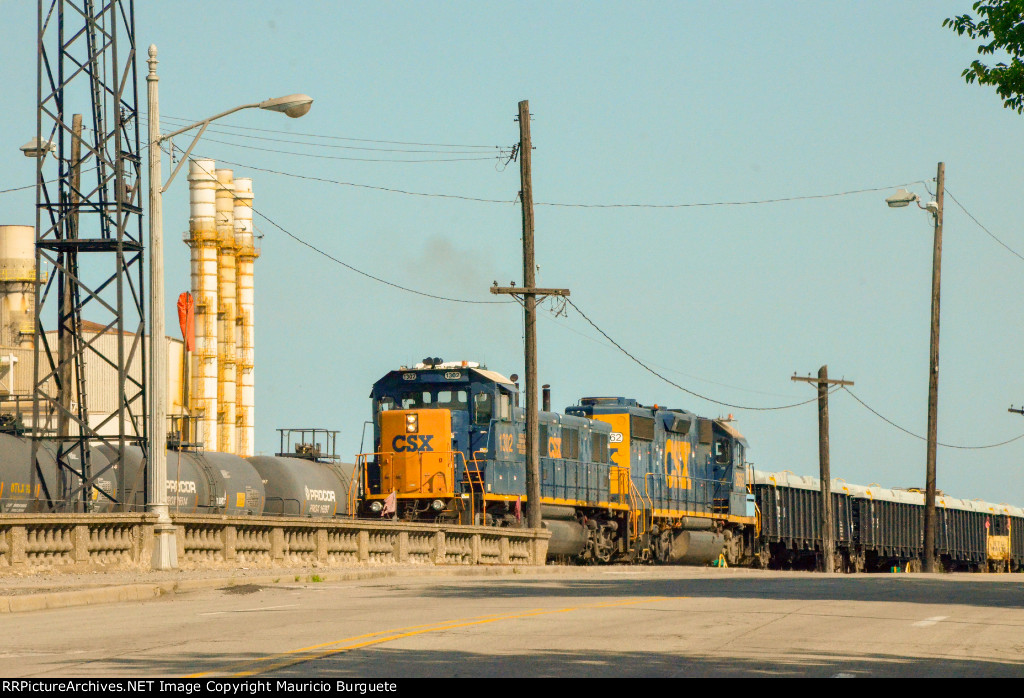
column 95, row 542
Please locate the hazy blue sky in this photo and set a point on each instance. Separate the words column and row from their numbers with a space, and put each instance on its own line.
column 661, row 103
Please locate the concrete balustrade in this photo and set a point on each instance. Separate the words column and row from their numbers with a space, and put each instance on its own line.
column 88, row 542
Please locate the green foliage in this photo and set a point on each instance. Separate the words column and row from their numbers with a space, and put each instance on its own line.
column 1000, row 26
column 316, row 578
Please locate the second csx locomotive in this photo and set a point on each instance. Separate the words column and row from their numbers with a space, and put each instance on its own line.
column 618, row 480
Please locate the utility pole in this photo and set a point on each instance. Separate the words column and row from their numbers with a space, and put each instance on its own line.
column 899, row 200
column 529, row 294
column 828, row 544
column 933, row 378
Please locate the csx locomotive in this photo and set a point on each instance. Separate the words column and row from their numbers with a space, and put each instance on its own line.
column 624, row 481
column 618, row 480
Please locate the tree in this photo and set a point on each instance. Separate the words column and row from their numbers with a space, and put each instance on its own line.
column 1000, row 25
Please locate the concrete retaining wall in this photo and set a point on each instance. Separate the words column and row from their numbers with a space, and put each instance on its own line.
column 87, row 542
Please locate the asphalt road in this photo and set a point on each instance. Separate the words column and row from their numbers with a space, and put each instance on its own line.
column 589, row 622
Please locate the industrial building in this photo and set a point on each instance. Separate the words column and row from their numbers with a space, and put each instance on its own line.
column 210, row 389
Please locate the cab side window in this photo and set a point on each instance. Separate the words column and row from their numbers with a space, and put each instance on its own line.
column 483, row 408
column 723, row 454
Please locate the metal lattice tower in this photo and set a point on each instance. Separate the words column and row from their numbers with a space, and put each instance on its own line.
column 89, row 231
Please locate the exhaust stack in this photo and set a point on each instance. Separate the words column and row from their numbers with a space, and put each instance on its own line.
column 202, row 239
column 245, row 255
column 226, row 413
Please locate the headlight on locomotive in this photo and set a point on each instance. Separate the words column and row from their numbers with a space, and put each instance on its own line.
column 437, row 505
column 376, row 506
column 412, row 423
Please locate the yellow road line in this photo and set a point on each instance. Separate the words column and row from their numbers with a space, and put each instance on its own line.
column 306, row 654
column 335, row 642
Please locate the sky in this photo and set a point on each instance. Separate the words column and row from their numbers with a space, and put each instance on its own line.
column 632, row 103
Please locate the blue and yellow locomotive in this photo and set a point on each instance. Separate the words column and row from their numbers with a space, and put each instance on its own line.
column 618, row 480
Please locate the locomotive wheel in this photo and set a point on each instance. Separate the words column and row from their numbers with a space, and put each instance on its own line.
column 764, row 558
column 600, row 545
column 733, row 548
column 664, row 546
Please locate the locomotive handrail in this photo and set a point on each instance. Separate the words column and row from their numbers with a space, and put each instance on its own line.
column 385, row 459
column 686, row 500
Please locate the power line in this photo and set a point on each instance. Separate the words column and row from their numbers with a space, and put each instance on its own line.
column 477, row 199
column 349, row 266
column 499, row 156
column 339, row 138
column 360, row 186
column 674, row 384
column 433, row 150
column 30, row 186
column 33, row 186
column 922, row 438
column 978, row 223
column 611, row 347
column 732, row 203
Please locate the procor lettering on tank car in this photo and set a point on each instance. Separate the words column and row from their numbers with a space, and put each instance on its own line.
column 619, row 481
column 198, row 482
column 305, row 487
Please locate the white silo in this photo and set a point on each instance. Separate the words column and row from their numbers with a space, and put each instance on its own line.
column 202, row 239
column 17, row 285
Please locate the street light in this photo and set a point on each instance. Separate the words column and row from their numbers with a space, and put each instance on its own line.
column 900, row 199
column 36, row 148
column 164, row 546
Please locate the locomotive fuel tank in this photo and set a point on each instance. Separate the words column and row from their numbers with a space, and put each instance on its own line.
column 696, row 547
column 568, row 537
column 301, row 487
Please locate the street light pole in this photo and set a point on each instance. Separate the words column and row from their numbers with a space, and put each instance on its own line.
column 165, row 549
column 899, row 200
column 933, row 378
column 164, row 544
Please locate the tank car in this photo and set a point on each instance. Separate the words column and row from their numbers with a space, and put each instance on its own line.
column 23, row 491
column 302, row 487
column 197, row 482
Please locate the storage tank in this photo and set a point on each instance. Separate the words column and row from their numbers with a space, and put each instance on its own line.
column 300, row 487
column 17, row 285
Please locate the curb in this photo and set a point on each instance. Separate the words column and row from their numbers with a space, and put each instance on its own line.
column 153, row 590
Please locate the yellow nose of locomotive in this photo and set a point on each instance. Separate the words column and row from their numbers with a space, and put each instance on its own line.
column 416, row 449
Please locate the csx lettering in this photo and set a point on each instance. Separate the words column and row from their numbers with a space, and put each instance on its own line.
column 554, row 447
column 676, row 466
column 403, row 443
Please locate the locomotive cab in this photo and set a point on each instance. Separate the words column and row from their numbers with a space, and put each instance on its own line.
column 433, row 429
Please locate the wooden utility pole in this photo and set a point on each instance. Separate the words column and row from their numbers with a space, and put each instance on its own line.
column 529, row 294
column 933, row 378
column 828, row 544
column 69, row 265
